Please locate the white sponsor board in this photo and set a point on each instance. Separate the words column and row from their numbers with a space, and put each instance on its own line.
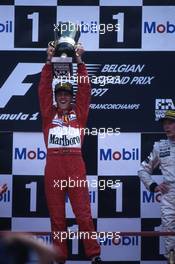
column 121, row 3
column 158, row 28
column 127, row 247
column 119, row 154
column 89, row 34
column 30, row 224
column 93, row 194
column 6, row 27
column 150, row 202
column 29, row 153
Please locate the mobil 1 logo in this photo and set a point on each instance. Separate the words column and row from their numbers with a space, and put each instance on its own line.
column 31, row 197
column 33, row 26
column 123, row 202
column 123, row 27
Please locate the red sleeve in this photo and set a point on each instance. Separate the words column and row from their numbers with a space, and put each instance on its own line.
column 83, row 94
column 46, row 94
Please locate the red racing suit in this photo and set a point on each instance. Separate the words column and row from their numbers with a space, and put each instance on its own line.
column 63, row 139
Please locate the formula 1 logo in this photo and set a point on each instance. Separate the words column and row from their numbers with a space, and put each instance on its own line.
column 14, row 85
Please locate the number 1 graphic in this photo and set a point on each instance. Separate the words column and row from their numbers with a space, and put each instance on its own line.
column 120, row 32
column 119, row 194
column 35, row 25
column 33, row 195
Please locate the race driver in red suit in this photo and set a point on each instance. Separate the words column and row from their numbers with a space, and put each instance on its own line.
column 63, row 138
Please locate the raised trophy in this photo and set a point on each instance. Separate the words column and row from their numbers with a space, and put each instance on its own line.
column 66, row 36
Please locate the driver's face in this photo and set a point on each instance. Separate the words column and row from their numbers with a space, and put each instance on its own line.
column 169, row 128
column 63, row 99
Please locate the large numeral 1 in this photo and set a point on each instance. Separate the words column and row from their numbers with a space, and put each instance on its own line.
column 119, row 196
column 33, row 195
column 35, row 25
column 74, row 228
column 120, row 32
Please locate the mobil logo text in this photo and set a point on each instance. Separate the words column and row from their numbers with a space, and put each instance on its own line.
column 123, row 154
column 150, row 197
column 122, row 241
column 154, row 27
column 6, row 27
column 24, row 154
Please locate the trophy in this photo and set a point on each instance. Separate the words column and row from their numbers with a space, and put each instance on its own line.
column 66, row 37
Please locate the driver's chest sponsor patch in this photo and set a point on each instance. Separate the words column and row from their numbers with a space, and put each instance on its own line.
column 64, row 119
column 64, row 136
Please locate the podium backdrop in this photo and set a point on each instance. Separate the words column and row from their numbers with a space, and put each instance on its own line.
column 142, row 55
